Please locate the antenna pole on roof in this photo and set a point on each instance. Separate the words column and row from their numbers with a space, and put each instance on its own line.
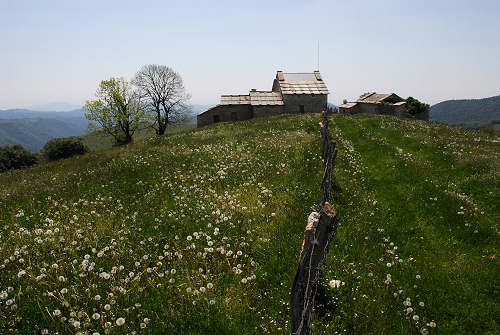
column 318, row 55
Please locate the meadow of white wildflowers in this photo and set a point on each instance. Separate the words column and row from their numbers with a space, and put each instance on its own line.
column 199, row 232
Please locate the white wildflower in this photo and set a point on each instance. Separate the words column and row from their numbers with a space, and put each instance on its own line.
column 120, row 321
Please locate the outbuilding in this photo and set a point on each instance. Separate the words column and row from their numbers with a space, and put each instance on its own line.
column 381, row 103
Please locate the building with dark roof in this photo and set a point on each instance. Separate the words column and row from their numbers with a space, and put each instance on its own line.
column 376, row 103
column 291, row 93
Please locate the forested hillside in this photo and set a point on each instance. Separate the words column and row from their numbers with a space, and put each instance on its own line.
column 32, row 134
column 199, row 232
column 32, row 129
column 474, row 113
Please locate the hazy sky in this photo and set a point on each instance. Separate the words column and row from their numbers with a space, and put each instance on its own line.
column 433, row 50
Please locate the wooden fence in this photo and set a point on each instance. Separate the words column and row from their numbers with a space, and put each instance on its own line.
column 320, row 229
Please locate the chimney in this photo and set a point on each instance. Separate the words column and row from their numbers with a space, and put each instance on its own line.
column 279, row 76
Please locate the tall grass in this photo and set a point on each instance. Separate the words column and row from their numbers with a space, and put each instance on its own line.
column 199, row 232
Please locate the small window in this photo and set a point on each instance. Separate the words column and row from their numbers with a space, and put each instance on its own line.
column 301, row 109
column 234, row 116
column 216, row 118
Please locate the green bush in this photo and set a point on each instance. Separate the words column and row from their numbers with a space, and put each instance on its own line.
column 415, row 107
column 59, row 148
column 16, row 157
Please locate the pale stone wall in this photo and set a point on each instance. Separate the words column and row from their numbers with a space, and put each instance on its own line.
column 423, row 116
column 267, row 110
column 224, row 114
column 351, row 110
column 383, row 109
column 312, row 103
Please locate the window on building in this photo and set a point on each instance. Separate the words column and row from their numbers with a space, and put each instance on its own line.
column 301, row 109
column 234, row 116
column 216, row 118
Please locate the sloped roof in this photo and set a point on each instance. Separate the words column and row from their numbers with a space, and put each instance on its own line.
column 265, row 98
column 208, row 110
column 301, row 83
column 375, row 97
column 348, row 105
column 235, row 99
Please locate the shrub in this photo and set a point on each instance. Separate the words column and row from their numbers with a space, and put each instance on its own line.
column 16, row 157
column 59, row 148
column 415, row 107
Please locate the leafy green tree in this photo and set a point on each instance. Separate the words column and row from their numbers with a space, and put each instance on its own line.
column 16, row 157
column 59, row 148
column 163, row 94
column 117, row 110
column 415, row 107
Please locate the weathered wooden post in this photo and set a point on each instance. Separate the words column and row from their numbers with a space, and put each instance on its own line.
column 320, row 229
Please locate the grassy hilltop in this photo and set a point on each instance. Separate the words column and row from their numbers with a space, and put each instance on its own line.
column 199, row 232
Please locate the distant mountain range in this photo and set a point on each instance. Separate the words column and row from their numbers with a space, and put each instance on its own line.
column 33, row 133
column 474, row 113
column 76, row 116
column 32, row 129
column 54, row 107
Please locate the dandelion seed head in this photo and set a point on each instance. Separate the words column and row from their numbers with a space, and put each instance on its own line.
column 120, row 321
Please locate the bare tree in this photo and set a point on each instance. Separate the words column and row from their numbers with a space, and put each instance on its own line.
column 163, row 92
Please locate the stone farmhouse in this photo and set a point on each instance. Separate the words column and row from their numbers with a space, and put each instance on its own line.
column 387, row 104
column 291, row 93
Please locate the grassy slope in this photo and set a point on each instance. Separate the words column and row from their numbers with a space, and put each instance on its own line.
column 98, row 140
column 405, row 187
